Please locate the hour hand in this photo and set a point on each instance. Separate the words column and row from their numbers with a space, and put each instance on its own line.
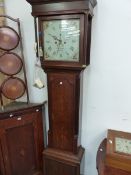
column 55, row 38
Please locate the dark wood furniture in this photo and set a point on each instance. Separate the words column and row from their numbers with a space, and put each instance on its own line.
column 63, row 131
column 118, row 150
column 63, row 154
column 62, row 162
column 21, row 139
column 111, row 167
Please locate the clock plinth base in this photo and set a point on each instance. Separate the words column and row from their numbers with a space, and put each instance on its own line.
column 61, row 162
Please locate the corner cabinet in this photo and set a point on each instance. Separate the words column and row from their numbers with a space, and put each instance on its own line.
column 21, row 139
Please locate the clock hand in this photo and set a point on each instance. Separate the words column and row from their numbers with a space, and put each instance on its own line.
column 60, row 36
column 58, row 47
column 55, row 38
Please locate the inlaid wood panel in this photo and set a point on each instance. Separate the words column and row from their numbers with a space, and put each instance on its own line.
column 21, row 142
column 24, row 146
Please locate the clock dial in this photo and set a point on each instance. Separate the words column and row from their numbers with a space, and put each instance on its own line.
column 61, row 40
column 123, row 145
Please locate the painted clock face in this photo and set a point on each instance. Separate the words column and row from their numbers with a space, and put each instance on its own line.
column 123, row 145
column 61, row 40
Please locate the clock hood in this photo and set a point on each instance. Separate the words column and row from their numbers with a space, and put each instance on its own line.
column 35, row 2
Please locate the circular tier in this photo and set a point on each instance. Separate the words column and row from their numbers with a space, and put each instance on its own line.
column 10, row 63
column 13, row 88
column 9, row 39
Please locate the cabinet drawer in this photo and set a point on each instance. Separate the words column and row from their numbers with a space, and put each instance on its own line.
column 20, row 112
column 16, row 120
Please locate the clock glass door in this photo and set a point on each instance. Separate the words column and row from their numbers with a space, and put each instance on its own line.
column 123, row 145
column 61, row 39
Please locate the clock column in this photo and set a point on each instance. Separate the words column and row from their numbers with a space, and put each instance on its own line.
column 64, row 154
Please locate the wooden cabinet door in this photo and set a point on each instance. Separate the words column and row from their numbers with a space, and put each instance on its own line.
column 21, row 144
column 63, row 112
column 2, row 169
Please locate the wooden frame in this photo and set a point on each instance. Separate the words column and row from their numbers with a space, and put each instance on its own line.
column 65, row 64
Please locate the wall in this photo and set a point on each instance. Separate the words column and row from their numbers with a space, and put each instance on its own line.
column 106, row 83
column 107, row 86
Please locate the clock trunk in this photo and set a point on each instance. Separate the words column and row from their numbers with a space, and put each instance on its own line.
column 63, row 94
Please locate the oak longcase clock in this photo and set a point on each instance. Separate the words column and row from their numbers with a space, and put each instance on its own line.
column 63, row 34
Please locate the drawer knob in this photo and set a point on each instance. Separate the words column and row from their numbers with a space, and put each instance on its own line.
column 61, row 83
column 19, row 118
column 101, row 149
column 37, row 110
column 11, row 115
column 110, row 141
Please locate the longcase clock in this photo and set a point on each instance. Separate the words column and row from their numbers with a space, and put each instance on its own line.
column 64, row 29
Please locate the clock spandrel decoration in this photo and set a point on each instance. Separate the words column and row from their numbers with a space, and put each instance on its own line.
column 63, row 36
